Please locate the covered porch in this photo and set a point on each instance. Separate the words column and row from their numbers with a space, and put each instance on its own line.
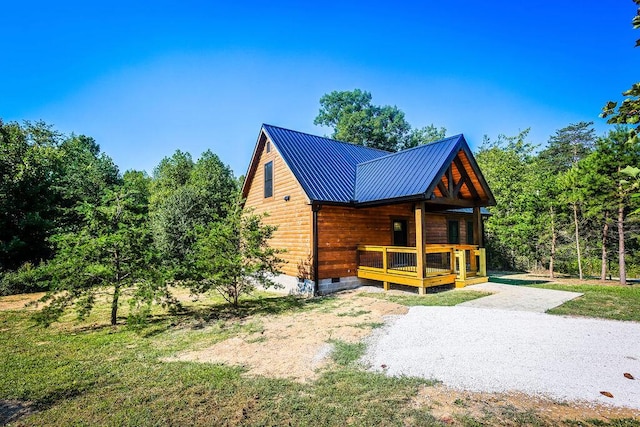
column 426, row 264
column 461, row 265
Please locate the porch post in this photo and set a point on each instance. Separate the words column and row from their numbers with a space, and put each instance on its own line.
column 477, row 227
column 420, row 242
column 478, row 240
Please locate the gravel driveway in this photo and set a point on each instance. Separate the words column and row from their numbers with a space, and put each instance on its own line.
column 519, row 298
column 496, row 350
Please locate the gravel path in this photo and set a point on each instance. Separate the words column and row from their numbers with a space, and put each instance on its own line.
column 565, row 358
column 519, row 298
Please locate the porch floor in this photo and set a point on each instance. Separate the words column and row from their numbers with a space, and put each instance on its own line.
column 409, row 280
column 431, row 281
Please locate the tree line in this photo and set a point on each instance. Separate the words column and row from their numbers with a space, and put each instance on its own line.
column 73, row 225
column 569, row 207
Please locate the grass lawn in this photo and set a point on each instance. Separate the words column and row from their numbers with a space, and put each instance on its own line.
column 93, row 374
column 604, row 301
column 447, row 298
column 90, row 373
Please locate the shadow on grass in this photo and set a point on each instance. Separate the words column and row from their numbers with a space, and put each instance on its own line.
column 12, row 410
column 414, row 290
column 198, row 315
column 204, row 313
column 517, row 282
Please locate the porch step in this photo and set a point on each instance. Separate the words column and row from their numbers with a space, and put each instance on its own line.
column 471, row 281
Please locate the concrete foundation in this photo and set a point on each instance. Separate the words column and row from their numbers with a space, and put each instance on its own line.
column 291, row 285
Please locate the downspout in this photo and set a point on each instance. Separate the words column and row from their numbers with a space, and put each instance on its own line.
column 315, row 208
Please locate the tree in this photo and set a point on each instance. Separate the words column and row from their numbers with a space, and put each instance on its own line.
column 598, row 207
column 43, row 176
column 424, row 135
column 29, row 166
column 171, row 173
column 549, row 214
column 233, row 255
column 571, row 194
column 628, row 112
column 84, row 174
column 507, row 166
column 112, row 249
column 355, row 119
column 566, row 148
column 184, row 196
column 608, row 184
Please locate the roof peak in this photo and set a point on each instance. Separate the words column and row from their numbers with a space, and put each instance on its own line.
column 327, row 138
column 421, row 146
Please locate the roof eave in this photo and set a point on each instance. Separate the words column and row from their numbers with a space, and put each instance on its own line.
column 445, row 165
column 284, row 158
column 248, row 177
column 391, row 201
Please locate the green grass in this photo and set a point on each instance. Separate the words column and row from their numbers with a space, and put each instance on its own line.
column 446, row 298
column 90, row 373
column 607, row 302
column 346, row 354
column 353, row 313
column 94, row 374
column 517, row 282
column 369, row 325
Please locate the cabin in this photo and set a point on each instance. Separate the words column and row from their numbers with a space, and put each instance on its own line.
column 347, row 214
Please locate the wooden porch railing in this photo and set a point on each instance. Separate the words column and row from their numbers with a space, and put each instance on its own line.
column 440, row 260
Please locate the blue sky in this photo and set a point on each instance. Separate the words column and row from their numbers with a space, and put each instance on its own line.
column 145, row 79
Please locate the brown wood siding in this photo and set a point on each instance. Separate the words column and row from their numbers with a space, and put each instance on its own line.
column 342, row 229
column 293, row 217
column 437, row 227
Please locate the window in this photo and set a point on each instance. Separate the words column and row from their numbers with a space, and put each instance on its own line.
column 454, row 232
column 470, row 238
column 268, row 180
column 268, row 146
column 399, row 232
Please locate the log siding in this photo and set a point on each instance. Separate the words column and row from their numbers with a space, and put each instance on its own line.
column 292, row 216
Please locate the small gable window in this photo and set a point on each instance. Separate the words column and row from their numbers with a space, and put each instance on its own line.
column 268, row 146
column 268, row 179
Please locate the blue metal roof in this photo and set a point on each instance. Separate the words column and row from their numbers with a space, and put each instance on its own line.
column 406, row 173
column 325, row 168
column 340, row 172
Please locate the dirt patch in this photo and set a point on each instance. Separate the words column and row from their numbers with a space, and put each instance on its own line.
column 11, row 410
column 455, row 406
column 294, row 346
column 19, row 302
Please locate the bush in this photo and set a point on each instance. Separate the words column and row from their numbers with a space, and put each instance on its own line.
column 27, row 278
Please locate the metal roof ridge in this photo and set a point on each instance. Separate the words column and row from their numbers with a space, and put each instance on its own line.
column 429, row 144
column 328, row 139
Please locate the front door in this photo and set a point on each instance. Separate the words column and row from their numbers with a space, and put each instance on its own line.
column 400, row 237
